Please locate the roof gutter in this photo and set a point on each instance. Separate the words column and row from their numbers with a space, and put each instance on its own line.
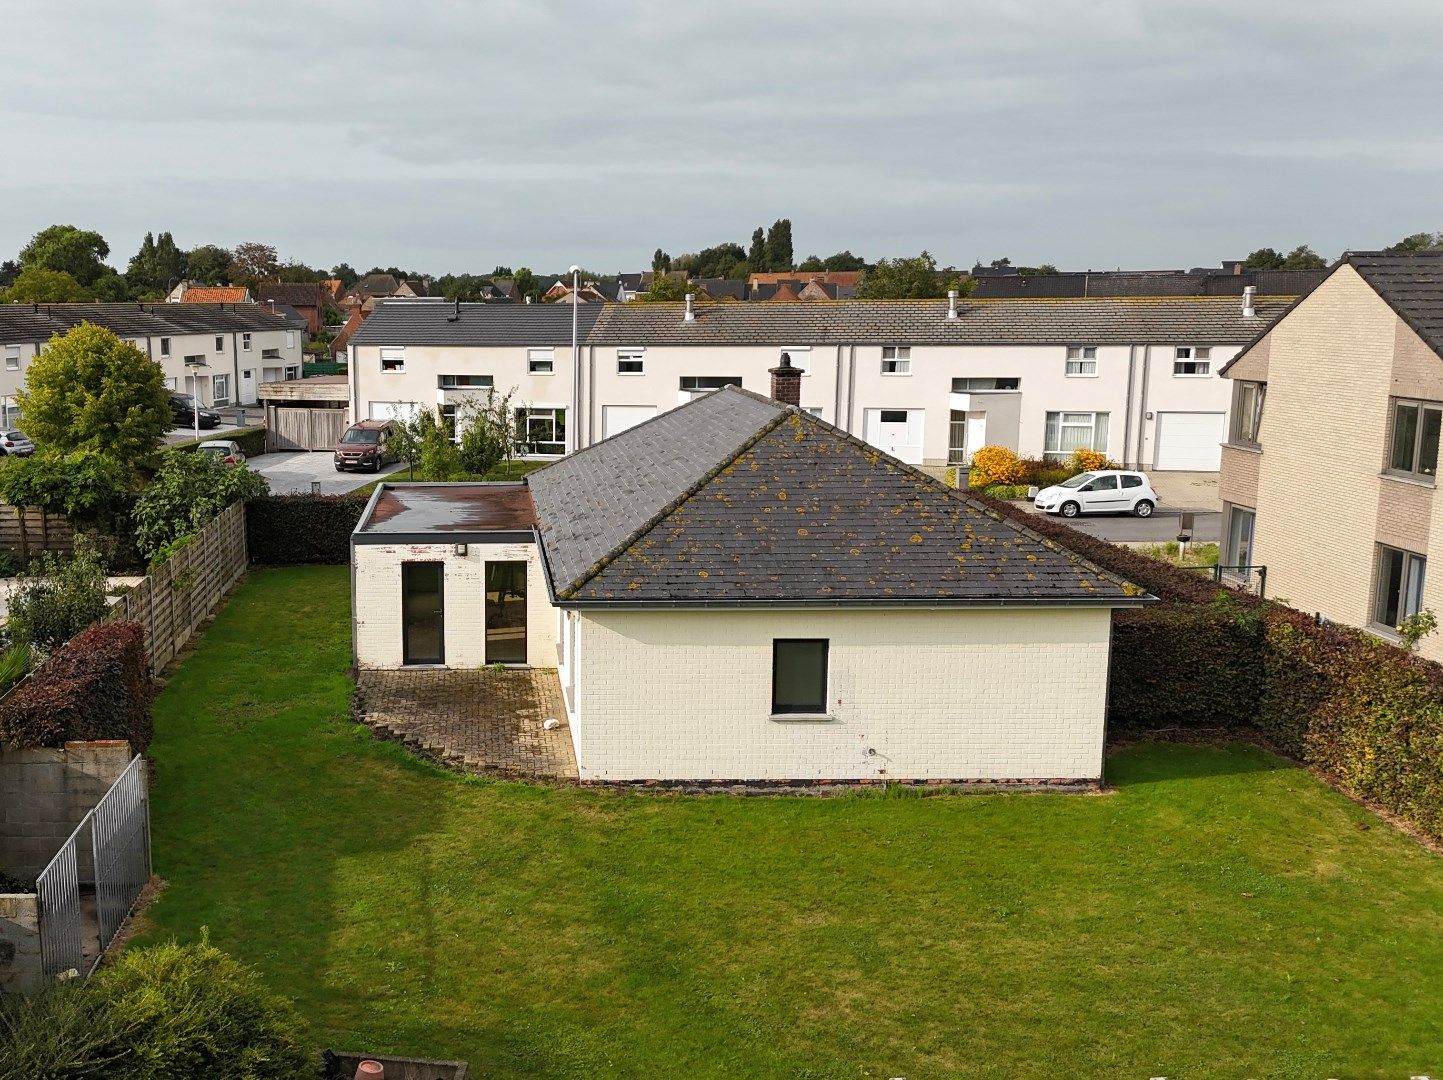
column 929, row 604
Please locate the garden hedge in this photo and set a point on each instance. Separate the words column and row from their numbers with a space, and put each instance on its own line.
column 95, row 686
column 283, row 530
column 1367, row 715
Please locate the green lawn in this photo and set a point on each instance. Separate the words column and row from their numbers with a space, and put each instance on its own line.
column 1220, row 914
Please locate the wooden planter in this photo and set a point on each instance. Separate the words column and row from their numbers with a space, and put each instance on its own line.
column 341, row 1065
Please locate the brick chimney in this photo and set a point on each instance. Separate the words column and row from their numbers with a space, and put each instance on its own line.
column 787, row 382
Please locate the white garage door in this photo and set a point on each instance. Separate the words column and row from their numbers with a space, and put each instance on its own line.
column 617, row 418
column 897, row 431
column 1188, row 441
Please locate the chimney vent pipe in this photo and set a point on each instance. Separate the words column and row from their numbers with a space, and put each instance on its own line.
column 690, row 315
column 951, row 303
column 1248, row 310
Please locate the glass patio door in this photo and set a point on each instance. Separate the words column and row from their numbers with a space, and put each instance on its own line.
column 506, row 612
column 423, row 613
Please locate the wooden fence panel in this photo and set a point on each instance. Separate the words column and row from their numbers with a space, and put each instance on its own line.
column 29, row 532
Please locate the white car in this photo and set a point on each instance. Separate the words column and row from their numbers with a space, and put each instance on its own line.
column 1106, row 491
column 225, row 451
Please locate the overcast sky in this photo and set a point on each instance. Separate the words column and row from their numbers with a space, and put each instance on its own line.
column 449, row 136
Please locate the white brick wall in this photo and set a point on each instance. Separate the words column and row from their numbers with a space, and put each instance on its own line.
column 947, row 694
column 376, row 570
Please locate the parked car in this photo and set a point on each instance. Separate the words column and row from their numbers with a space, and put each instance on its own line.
column 15, row 442
column 1106, row 491
column 182, row 408
column 225, row 451
column 366, row 445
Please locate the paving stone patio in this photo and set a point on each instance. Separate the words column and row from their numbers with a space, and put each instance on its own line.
column 487, row 722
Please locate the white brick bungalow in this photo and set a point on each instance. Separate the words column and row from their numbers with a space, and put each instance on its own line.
column 737, row 591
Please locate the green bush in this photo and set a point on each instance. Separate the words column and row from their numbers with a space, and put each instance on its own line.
column 59, row 597
column 440, row 458
column 15, row 663
column 97, row 686
column 283, row 530
column 1005, row 491
column 184, row 496
column 169, row 1012
column 1183, row 666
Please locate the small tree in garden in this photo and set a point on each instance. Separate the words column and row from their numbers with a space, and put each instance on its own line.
column 489, row 432
column 440, row 457
column 185, row 495
column 58, row 598
column 407, row 435
column 85, row 484
column 497, row 414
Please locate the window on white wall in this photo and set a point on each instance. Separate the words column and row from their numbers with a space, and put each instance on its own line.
column 165, row 346
column 1069, row 431
column 542, row 430
column 541, row 361
column 971, row 384
column 220, row 343
column 799, row 676
column 292, row 372
column 290, row 339
column 630, row 361
column 220, row 389
column 270, row 354
column 1399, row 590
column 12, row 357
column 393, row 359
column 246, row 342
column 896, row 359
column 1191, row 361
column 465, row 382
column 800, row 357
column 1081, row 361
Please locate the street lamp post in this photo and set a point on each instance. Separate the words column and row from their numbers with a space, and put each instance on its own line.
column 573, row 425
column 194, row 366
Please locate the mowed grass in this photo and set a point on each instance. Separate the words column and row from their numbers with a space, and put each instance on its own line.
column 1219, row 914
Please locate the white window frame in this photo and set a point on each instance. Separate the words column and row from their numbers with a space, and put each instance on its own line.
column 291, row 371
column 800, row 357
column 1081, row 362
column 220, row 343
column 165, row 346
column 961, row 384
column 245, row 343
column 541, row 361
column 448, row 382
column 392, row 359
column 1249, row 398
column 1062, row 423
column 899, row 357
column 220, row 388
column 526, row 413
column 633, row 355
column 1199, row 358
column 290, row 339
column 12, row 357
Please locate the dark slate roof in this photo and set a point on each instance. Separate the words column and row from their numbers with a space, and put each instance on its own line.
column 797, row 512
column 591, row 502
column 1169, row 320
column 294, row 293
column 408, row 322
column 37, row 322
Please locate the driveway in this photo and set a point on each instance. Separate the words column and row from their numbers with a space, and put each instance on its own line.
column 295, row 471
column 1192, row 492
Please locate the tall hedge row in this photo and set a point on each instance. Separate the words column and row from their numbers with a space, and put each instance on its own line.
column 283, row 530
column 95, row 686
column 1364, row 713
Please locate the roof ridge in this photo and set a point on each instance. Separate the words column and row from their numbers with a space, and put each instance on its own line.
column 660, row 515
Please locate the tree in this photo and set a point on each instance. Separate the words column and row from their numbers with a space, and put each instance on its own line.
column 440, row 458
column 498, row 416
column 1421, row 241
column 187, row 493
column 487, row 433
column 9, row 270
column 757, row 253
column 721, row 261
column 1303, row 257
column 77, row 252
column 346, row 273
column 84, row 485
column 111, row 288
column 209, row 264
column 665, row 288
column 526, row 283
column 295, row 270
column 903, row 279
column 251, row 263
column 158, row 264
column 501, row 272
column 36, row 284
column 1045, row 270
column 59, row 598
column 1003, row 263
column 660, row 261
column 90, row 390
column 1263, row 259
column 779, row 245
column 811, row 263
column 844, row 260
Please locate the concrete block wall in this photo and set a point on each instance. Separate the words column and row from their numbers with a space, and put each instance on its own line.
column 376, row 570
column 947, row 694
column 44, row 793
column 20, row 967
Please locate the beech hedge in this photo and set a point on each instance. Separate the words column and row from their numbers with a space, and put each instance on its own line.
column 95, row 686
column 284, row 530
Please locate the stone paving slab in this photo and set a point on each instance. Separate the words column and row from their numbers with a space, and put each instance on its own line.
column 480, row 721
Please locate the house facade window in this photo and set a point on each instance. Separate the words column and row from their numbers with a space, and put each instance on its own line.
column 464, row 382
column 270, row 354
column 970, row 385
column 631, row 361
column 800, row 357
column 1082, row 361
column 696, row 385
column 542, row 431
column 1238, row 541
column 1069, row 431
column 290, row 339
column 896, row 359
column 293, row 371
column 1413, row 439
column 220, row 389
column 799, row 676
column 165, row 346
column 541, row 361
column 1191, row 361
column 220, row 343
column 1399, row 591
column 245, row 342
column 1248, row 412
column 393, row 359
column 12, row 357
